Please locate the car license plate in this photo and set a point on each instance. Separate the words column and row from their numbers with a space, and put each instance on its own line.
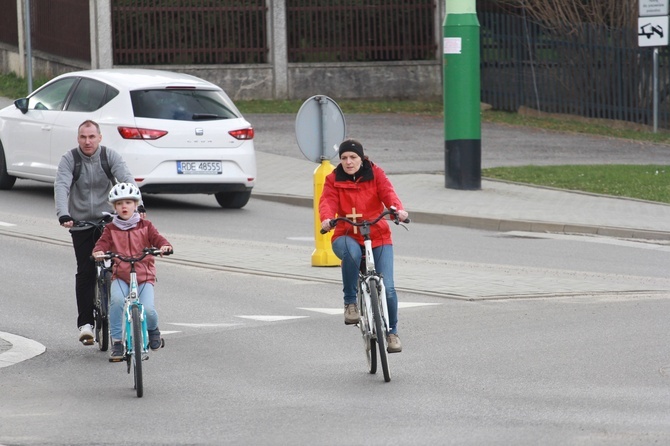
column 199, row 167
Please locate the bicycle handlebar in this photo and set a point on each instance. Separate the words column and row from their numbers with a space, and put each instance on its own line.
column 392, row 212
column 100, row 223
column 145, row 252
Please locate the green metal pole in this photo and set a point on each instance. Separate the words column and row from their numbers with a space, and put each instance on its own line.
column 462, row 119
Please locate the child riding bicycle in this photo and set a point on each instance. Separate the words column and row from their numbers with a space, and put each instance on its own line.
column 128, row 235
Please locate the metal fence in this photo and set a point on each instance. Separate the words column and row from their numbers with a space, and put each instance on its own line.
column 9, row 32
column 597, row 73
column 147, row 32
column 360, row 31
column 61, row 27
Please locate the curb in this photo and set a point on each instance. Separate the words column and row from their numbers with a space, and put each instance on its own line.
column 494, row 224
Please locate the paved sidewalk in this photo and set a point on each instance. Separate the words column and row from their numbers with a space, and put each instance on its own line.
column 496, row 206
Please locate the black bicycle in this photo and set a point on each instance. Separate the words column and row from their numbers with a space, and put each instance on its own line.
column 103, row 283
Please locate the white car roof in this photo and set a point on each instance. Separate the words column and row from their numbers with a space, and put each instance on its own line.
column 138, row 78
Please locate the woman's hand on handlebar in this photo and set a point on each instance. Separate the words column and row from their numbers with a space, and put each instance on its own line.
column 402, row 215
column 325, row 226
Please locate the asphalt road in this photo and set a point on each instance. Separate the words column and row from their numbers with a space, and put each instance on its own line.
column 415, row 144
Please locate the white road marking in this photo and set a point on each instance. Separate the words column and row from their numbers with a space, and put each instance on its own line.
column 22, row 349
column 272, row 318
column 325, row 310
column 414, row 304
column 340, row 310
column 2, row 223
column 301, row 239
column 205, row 325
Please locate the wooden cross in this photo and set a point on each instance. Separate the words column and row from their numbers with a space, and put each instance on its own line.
column 353, row 216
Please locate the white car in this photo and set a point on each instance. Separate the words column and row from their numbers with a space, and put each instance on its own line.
column 177, row 133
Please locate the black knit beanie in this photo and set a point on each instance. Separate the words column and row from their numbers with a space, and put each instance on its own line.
column 351, row 145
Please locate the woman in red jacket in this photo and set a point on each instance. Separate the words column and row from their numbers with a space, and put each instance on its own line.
column 359, row 189
column 128, row 235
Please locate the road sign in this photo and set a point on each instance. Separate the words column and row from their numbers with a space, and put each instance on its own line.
column 319, row 127
column 652, row 31
column 651, row 8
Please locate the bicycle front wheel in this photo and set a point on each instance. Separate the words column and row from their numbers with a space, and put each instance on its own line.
column 380, row 329
column 137, row 350
column 101, row 318
column 366, row 333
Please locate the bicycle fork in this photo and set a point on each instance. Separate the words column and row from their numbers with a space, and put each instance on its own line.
column 133, row 301
column 379, row 282
column 381, row 295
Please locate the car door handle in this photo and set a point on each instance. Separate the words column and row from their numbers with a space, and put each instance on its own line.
column 46, row 127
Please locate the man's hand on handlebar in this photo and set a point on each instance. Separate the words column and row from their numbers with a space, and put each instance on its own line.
column 66, row 221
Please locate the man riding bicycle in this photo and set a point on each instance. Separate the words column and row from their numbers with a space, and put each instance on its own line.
column 80, row 190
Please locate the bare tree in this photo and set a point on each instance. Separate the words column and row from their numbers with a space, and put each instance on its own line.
column 566, row 16
column 596, row 55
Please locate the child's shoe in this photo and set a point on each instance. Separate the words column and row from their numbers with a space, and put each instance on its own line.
column 155, row 340
column 117, row 352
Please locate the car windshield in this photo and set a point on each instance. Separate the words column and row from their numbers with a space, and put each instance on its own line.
column 182, row 104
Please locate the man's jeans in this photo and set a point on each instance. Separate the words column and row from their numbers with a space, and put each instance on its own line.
column 350, row 252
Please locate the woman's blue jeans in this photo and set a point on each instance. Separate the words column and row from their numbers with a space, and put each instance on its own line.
column 118, row 296
column 350, row 252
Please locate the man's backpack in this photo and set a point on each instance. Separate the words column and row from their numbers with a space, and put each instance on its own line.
column 103, row 161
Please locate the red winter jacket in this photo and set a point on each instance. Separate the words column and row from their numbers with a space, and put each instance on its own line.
column 360, row 197
column 130, row 243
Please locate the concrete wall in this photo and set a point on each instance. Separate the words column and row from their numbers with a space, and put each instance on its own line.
column 409, row 80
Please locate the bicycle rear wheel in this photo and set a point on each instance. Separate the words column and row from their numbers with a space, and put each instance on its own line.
column 366, row 333
column 102, row 290
column 380, row 330
column 137, row 350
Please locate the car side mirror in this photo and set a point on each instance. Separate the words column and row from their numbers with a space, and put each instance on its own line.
column 22, row 104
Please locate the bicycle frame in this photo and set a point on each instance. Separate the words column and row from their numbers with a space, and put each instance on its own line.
column 370, row 275
column 133, row 299
column 103, row 270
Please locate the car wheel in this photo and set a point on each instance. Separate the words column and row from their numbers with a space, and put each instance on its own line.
column 233, row 200
column 6, row 180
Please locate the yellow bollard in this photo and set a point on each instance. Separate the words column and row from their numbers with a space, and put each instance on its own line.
column 323, row 255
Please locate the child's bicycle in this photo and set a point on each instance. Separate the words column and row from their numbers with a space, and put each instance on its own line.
column 103, row 281
column 371, row 296
column 135, row 334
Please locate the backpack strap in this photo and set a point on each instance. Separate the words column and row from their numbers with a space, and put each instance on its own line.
column 104, row 162
column 77, row 166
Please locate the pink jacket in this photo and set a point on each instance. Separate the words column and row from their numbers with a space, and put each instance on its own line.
column 131, row 243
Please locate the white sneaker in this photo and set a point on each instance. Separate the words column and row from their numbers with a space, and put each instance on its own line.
column 86, row 334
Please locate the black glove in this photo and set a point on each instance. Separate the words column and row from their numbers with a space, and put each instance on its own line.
column 64, row 219
column 141, row 210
